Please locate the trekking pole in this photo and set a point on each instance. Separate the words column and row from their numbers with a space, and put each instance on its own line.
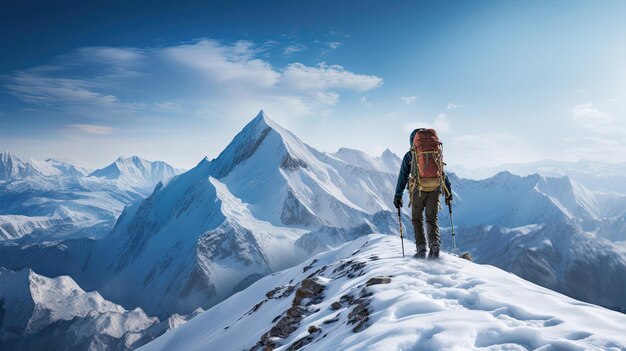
column 452, row 226
column 401, row 238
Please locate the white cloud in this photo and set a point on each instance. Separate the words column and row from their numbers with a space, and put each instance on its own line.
column 34, row 88
column 224, row 63
column 323, row 77
column 91, row 128
column 205, row 78
column 293, row 49
column 453, row 106
column 409, row 100
column 334, row 44
column 588, row 117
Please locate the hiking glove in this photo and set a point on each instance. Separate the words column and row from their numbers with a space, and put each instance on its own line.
column 397, row 201
column 449, row 199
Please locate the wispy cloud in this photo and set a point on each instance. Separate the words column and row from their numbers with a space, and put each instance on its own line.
column 324, row 77
column 91, row 128
column 409, row 100
column 203, row 77
column 453, row 106
column 293, row 49
column 334, row 44
column 587, row 116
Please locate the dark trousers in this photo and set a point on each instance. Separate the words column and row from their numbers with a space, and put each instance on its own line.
column 428, row 201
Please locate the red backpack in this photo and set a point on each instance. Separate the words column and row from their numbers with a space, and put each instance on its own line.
column 427, row 162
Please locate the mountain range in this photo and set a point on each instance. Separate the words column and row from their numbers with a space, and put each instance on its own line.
column 269, row 202
column 50, row 200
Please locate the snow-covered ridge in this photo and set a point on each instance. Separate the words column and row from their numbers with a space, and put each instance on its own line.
column 365, row 296
column 11, row 167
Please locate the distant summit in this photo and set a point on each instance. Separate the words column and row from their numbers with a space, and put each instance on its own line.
column 136, row 171
column 12, row 168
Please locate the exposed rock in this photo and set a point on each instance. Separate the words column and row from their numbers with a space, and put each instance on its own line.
column 332, row 320
column 466, row 256
column 314, row 329
column 378, row 280
column 280, row 292
column 347, row 298
column 300, row 343
column 290, row 164
column 309, row 266
column 359, row 315
column 310, row 289
column 310, row 292
column 350, row 269
column 335, row 305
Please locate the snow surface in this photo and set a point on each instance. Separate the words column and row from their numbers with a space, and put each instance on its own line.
column 449, row 304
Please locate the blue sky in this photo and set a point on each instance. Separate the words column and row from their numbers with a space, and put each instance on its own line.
column 502, row 81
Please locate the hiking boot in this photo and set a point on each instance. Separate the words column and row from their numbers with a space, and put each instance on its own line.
column 434, row 253
column 420, row 252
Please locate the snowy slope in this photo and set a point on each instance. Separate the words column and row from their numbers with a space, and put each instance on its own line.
column 33, row 305
column 387, row 162
column 557, row 255
column 326, row 304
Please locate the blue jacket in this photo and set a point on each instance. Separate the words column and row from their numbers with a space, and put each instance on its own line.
column 403, row 177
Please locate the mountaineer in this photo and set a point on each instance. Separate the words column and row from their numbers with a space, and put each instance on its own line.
column 422, row 168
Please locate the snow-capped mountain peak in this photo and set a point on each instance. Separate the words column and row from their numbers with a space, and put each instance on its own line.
column 135, row 171
column 11, row 167
column 33, row 302
column 285, row 147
